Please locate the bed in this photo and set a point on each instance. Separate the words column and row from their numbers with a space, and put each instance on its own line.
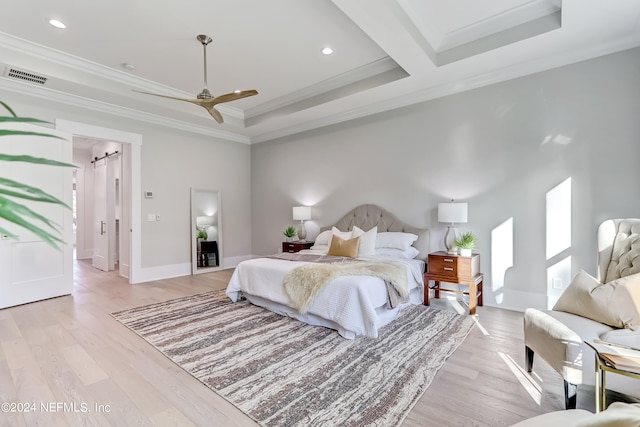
column 355, row 304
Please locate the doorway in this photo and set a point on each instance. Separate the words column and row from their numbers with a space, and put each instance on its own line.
column 129, row 253
column 98, row 203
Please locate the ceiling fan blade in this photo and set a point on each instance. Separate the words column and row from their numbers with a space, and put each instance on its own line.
column 204, row 99
column 228, row 97
column 215, row 114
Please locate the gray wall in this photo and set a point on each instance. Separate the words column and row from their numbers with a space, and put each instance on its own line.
column 500, row 148
column 172, row 162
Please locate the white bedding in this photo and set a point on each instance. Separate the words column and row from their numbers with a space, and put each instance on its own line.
column 353, row 305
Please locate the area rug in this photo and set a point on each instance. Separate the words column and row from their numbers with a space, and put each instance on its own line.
column 282, row 372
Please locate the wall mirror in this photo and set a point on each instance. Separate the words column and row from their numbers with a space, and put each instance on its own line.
column 206, row 231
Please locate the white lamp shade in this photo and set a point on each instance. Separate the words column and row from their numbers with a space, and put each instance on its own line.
column 452, row 212
column 301, row 213
column 204, row 221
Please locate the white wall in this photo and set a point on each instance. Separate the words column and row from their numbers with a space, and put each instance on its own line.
column 172, row 163
column 500, row 148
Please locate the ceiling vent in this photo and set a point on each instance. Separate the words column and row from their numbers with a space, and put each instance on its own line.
column 27, row 76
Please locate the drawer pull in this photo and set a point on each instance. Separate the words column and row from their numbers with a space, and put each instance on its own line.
column 448, row 260
column 448, row 268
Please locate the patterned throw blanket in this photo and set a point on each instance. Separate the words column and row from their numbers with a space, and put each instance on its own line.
column 304, row 283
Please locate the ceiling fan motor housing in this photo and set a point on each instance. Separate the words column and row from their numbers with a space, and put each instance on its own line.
column 205, row 94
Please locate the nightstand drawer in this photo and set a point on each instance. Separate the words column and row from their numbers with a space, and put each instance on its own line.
column 295, row 246
column 443, row 264
column 453, row 266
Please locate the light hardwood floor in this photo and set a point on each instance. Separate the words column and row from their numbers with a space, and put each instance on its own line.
column 66, row 361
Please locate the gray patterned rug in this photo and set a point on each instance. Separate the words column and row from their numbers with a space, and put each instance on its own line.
column 281, row 372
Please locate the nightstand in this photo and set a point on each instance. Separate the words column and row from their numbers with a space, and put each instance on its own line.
column 295, row 246
column 444, row 267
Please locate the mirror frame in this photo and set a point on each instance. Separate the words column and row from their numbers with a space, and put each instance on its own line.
column 194, row 241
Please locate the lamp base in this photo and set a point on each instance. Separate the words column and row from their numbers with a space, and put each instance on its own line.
column 450, row 236
column 302, row 232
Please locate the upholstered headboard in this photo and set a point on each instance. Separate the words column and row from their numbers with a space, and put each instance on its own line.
column 368, row 216
column 618, row 248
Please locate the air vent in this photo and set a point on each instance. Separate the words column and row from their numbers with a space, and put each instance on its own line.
column 14, row 73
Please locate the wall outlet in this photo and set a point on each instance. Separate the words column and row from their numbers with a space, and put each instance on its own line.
column 556, row 283
column 151, row 217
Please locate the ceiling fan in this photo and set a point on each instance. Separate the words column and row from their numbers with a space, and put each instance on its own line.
column 205, row 99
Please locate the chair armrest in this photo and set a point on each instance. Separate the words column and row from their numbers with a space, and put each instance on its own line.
column 555, row 342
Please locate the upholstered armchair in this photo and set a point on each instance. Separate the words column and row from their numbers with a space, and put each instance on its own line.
column 608, row 308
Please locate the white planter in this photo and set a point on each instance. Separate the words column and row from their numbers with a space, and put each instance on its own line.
column 465, row 252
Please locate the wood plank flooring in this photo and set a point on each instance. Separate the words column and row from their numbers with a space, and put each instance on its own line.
column 66, row 361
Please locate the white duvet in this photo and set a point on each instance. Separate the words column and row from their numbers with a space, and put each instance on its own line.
column 353, row 305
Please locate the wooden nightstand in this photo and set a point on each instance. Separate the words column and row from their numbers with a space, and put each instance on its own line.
column 295, row 246
column 444, row 267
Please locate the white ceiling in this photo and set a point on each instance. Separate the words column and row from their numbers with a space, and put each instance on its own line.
column 388, row 54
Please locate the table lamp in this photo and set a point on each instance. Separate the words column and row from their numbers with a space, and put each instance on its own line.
column 452, row 213
column 301, row 213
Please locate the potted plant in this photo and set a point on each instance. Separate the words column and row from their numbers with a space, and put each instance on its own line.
column 466, row 242
column 289, row 232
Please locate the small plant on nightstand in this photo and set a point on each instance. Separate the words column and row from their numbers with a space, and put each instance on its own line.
column 466, row 242
column 289, row 232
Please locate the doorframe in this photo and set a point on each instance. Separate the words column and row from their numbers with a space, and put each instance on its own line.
column 135, row 142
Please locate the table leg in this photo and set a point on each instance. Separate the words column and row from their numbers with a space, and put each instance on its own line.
column 436, row 289
column 426, row 292
column 598, row 385
column 472, row 297
column 603, row 390
column 480, row 293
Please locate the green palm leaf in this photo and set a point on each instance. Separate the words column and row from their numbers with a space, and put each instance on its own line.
column 16, row 213
column 27, row 192
column 8, row 109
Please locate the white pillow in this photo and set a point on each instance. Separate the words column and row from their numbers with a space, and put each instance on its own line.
column 616, row 303
column 344, row 235
column 398, row 253
column 395, row 240
column 323, row 238
column 320, row 248
column 367, row 240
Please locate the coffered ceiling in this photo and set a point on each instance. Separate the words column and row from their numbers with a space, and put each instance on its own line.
column 386, row 54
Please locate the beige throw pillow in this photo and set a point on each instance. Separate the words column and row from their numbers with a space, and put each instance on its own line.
column 342, row 247
column 616, row 303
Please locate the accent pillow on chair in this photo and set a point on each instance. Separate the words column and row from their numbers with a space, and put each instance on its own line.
column 616, row 303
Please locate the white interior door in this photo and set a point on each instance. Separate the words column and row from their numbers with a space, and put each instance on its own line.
column 30, row 269
column 104, row 215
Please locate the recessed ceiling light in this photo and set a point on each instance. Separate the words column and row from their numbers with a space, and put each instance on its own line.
column 327, row 51
column 57, row 24
column 127, row 66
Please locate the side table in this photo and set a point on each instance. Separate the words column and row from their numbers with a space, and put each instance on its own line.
column 295, row 246
column 603, row 366
column 444, row 267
